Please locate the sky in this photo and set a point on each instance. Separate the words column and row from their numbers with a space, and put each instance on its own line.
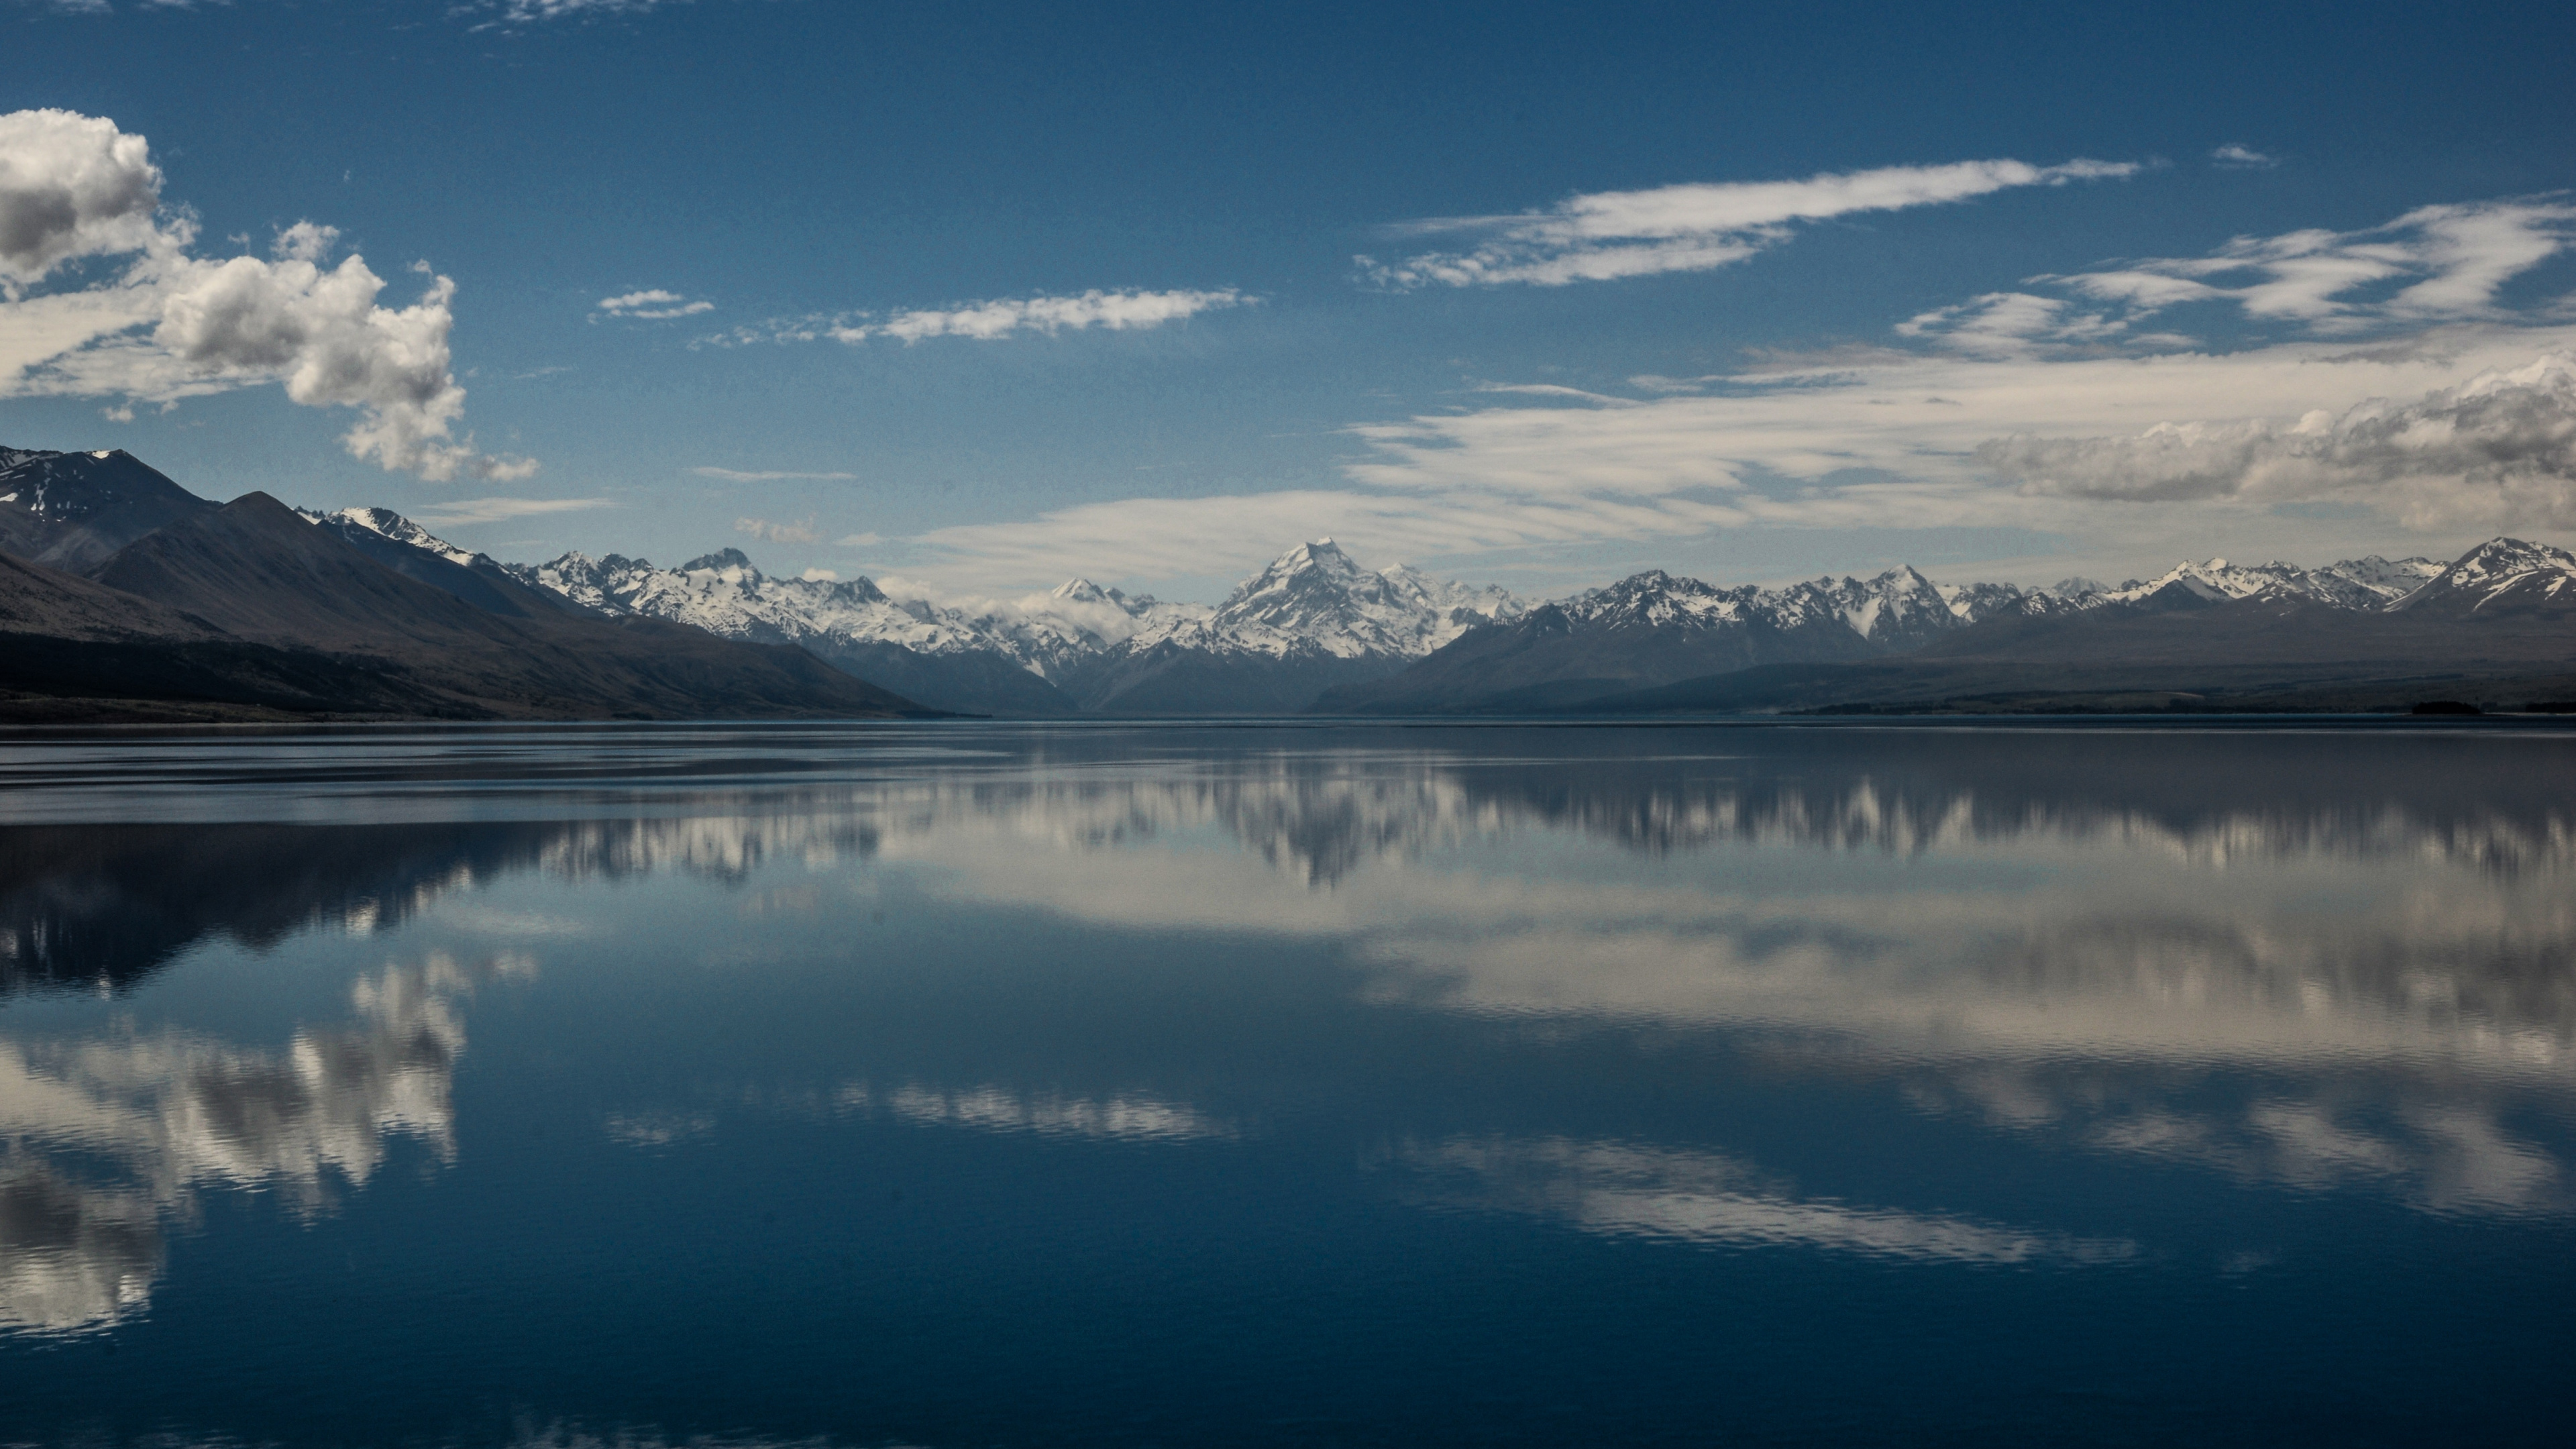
column 973, row 298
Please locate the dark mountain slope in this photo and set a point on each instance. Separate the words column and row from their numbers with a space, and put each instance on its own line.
column 71, row 510
column 70, row 648
column 481, row 583
column 259, row 571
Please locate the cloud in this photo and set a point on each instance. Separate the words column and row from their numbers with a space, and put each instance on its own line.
column 1881, row 439
column 2435, row 263
column 820, row 576
column 465, row 511
column 71, row 187
column 2001, row 324
column 171, row 325
column 2500, row 446
column 2232, row 157
column 1112, row 311
column 987, row 321
column 653, row 305
column 762, row 528
column 522, row 12
column 1612, row 234
column 731, row 475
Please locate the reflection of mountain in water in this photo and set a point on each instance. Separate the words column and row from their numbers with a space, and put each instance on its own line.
column 1323, row 815
column 108, row 1138
column 92, row 907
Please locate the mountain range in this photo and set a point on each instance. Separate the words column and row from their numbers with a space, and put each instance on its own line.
column 123, row 596
column 113, row 578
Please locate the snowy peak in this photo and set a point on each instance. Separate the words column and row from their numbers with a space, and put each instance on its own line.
column 722, row 561
column 1654, row 599
column 386, row 523
column 1314, row 599
column 2499, row 575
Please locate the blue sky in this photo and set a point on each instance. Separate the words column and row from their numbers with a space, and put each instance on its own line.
column 977, row 297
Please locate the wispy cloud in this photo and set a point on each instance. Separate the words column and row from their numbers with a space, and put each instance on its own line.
column 2232, row 157
column 2436, row 263
column 462, row 512
column 1611, row 234
column 653, row 305
column 735, row 475
column 762, row 528
column 1884, row 439
column 533, row 11
column 170, row 325
column 1111, row 311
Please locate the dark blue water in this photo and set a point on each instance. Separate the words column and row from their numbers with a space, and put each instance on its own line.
column 982, row 1085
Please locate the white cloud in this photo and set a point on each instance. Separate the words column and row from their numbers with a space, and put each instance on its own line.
column 762, row 528
column 1883, row 439
column 820, row 576
column 653, row 305
column 2435, row 263
column 305, row 242
column 986, row 321
column 71, row 187
column 463, row 512
column 171, row 325
column 1111, row 311
column 2501, row 446
column 523, row 12
column 732, row 475
column 2005, row 324
column 1612, row 234
column 2232, row 157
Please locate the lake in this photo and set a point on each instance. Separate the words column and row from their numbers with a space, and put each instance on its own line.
column 980, row 1084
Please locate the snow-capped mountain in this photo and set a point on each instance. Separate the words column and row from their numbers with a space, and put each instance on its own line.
column 1314, row 599
column 1311, row 620
column 2363, row 583
column 2504, row 575
column 385, row 523
column 1314, row 623
column 72, row 510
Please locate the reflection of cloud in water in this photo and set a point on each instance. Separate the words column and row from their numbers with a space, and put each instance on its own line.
column 658, row 1129
column 1127, row 1116
column 2417, row 976
column 1625, row 1191
column 108, row 1137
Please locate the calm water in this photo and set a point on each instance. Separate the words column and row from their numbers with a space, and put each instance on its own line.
column 983, row 1085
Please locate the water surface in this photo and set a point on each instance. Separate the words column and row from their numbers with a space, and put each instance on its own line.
column 994, row 1085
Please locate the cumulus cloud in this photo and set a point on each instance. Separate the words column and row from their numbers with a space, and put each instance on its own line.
column 2433, row 264
column 762, row 528
column 735, row 475
column 653, row 305
column 1612, row 234
column 2232, row 157
column 2501, row 446
column 74, row 186
column 171, row 325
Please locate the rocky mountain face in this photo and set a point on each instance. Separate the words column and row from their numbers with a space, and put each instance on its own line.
column 252, row 610
column 71, row 510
